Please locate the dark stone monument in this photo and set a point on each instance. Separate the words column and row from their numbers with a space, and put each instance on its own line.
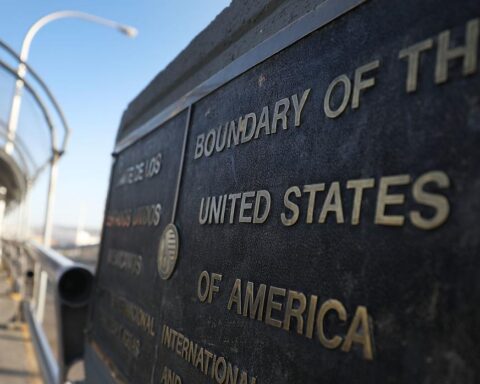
column 306, row 213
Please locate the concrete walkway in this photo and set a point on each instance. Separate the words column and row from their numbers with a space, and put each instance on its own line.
column 17, row 356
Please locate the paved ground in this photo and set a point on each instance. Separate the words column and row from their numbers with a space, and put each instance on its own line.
column 17, row 356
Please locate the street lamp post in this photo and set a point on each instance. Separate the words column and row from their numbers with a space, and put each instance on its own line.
column 24, row 52
column 17, row 95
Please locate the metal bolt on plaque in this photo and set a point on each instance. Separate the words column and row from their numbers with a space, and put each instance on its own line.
column 168, row 251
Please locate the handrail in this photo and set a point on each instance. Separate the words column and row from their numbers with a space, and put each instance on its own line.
column 46, row 358
column 22, row 154
column 47, row 91
column 72, row 284
column 52, row 262
column 37, row 98
column 22, row 150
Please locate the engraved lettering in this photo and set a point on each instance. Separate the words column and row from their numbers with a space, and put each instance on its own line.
column 295, row 311
column 312, row 190
column 215, row 277
column 438, row 202
column 412, row 54
column 333, row 203
column 254, row 208
column 247, row 127
column 347, row 91
column 233, row 134
column 360, row 84
column 468, row 52
column 203, row 216
column 215, row 210
column 291, row 206
column 199, row 146
column 236, row 296
column 274, row 305
column 203, row 286
column 359, row 332
column 233, row 197
column 280, row 113
column 263, row 195
column 244, row 206
column 221, row 139
column 125, row 261
column 253, row 305
column 208, row 363
column 144, row 169
column 170, row 377
column 147, row 215
column 209, row 143
column 384, row 199
column 312, row 307
column 123, row 336
column 306, row 319
column 358, row 186
column 263, row 123
column 247, row 133
column 298, row 106
column 330, row 305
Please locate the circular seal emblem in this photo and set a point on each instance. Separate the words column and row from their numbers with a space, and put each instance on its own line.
column 168, row 252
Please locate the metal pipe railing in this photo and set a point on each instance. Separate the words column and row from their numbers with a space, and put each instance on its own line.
column 71, row 282
column 29, row 164
column 53, row 263
column 46, row 90
column 45, row 357
column 41, row 104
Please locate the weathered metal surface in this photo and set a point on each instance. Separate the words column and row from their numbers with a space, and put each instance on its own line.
column 346, row 210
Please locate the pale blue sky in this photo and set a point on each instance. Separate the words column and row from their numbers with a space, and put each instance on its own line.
column 94, row 72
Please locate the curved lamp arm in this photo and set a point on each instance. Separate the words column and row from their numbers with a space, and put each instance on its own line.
column 122, row 28
column 27, row 41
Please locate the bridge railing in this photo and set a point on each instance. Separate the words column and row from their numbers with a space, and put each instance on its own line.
column 34, row 269
column 31, row 141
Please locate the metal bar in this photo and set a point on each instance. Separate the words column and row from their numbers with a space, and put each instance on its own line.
column 48, row 364
column 72, row 288
column 180, row 167
column 321, row 16
column 40, row 169
column 53, row 263
column 46, row 90
column 22, row 149
column 42, row 106
column 52, row 188
column 20, row 222
column 41, row 297
column 37, row 270
column 3, row 193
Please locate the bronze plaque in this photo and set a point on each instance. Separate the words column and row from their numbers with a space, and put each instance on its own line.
column 312, row 218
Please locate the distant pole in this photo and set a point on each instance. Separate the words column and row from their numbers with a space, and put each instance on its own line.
column 52, row 188
column 3, row 194
column 80, row 224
